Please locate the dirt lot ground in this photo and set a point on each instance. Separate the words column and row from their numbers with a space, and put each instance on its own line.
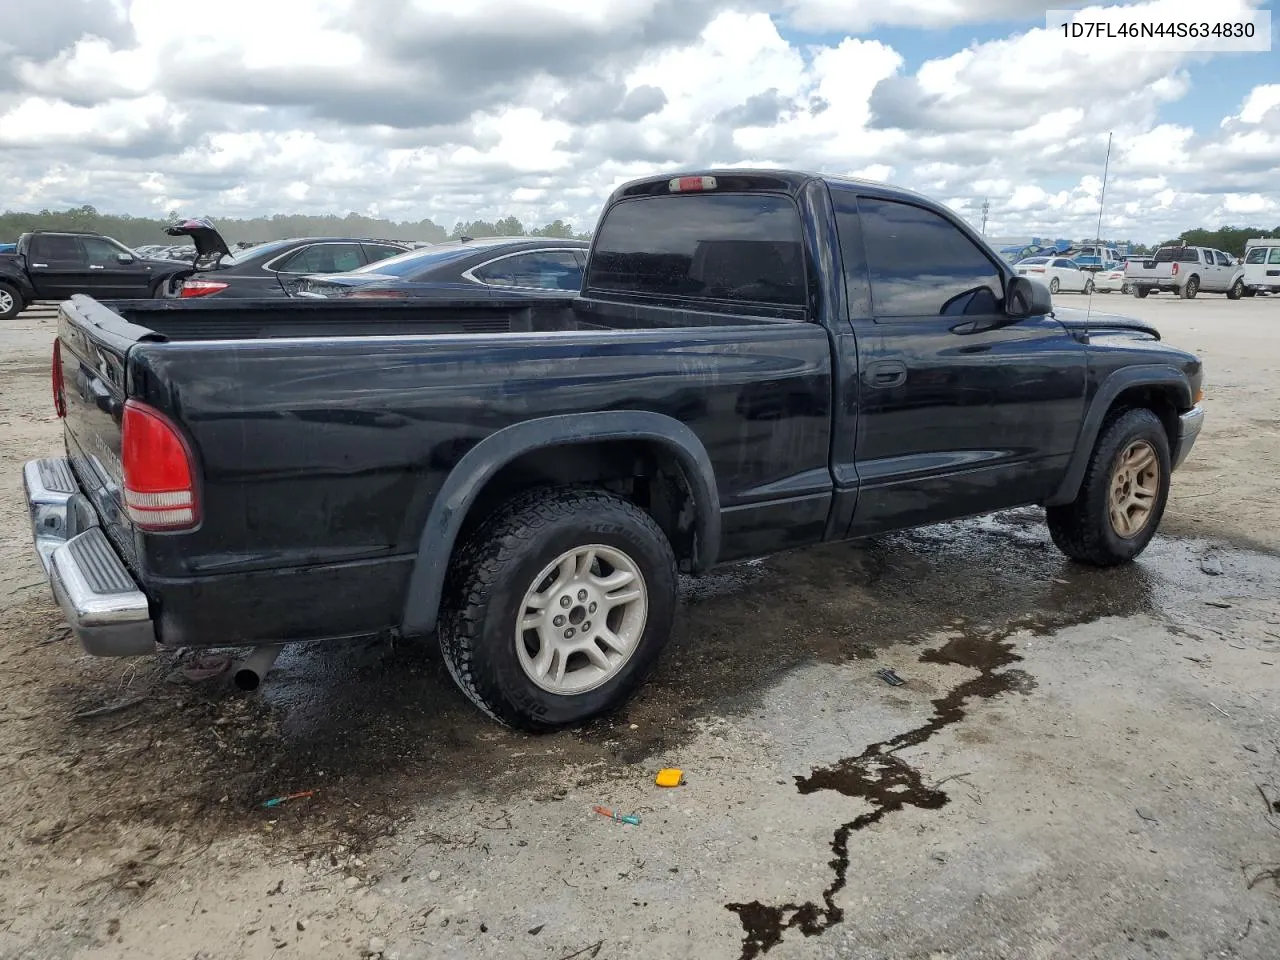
column 1084, row 764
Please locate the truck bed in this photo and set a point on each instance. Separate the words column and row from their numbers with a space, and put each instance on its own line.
column 178, row 321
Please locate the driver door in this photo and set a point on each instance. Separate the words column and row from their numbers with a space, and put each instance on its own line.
column 960, row 411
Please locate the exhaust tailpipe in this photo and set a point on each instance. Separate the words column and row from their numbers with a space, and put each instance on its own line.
column 253, row 668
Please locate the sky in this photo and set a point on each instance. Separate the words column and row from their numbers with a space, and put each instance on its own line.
column 476, row 109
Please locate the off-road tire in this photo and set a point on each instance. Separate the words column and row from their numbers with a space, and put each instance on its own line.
column 488, row 580
column 14, row 298
column 1190, row 288
column 1053, row 285
column 1236, row 291
column 1082, row 529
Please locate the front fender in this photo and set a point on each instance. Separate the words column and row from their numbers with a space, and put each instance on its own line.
column 1164, row 376
column 483, row 461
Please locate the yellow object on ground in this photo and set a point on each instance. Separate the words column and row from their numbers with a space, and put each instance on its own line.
column 669, row 777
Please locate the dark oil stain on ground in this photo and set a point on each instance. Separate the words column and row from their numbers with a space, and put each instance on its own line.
column 881, row 777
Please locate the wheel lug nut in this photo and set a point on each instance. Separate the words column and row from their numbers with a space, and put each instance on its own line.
column 591, row 609
column 568, row 634
column 586, row 626
column 558, row 621
column 565, row 601
column 582, row 595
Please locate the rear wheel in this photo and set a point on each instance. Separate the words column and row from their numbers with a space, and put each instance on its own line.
column 1236, row 291
column 1088, row 287
column 1191, row 288
column 10, row 302
column 1053, row 285
column 558, row 607
column 1122, row 497
column 1141, row 292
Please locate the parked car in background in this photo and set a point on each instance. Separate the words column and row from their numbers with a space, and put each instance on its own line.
column 1093, row 257
column 1186, row 271
column 1262, row 266
column 501, row 265
column 271, row 269
column 8, row 247
column 1057, row 273
column 53, row 265
column 1111, row 280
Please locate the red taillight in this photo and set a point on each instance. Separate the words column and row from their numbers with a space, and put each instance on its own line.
column 159, row 471
column 1175, row 269
column 1035, row 269
column 201, row 288
column 691, row 184
column 59, row 385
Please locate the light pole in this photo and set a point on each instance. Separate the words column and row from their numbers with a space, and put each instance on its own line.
column 986, row 207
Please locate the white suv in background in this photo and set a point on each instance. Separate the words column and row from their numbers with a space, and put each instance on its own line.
column 1262, row 267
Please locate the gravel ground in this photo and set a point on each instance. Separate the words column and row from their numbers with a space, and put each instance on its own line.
column 1081, row 764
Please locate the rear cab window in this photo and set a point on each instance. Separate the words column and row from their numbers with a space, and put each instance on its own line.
column 739, row 248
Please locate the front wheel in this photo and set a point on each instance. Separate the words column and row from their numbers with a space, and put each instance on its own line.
column 1122, row 497
column 10, row 302
column 1088, row 287
column 558, row 607
column 1053, row 285
column 1126, row 289
column 1236, row 291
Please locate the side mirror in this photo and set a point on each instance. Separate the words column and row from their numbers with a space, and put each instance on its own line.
column 124, row 258
column 1027, row 298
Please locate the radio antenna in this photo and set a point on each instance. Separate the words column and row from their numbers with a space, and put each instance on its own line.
column 1097, row 237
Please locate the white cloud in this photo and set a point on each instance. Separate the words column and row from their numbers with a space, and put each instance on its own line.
column 459, row 110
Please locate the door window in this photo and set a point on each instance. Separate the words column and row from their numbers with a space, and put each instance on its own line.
column 1222, row 259
column 541, row 269
column 102, row 253
column 922, row 265
column 1257, row 255
column 55, row 248
column 325, row 258
column 1274, row 255
column 380, row 251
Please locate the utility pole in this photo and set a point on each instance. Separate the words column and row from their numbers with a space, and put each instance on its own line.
column 986, row 207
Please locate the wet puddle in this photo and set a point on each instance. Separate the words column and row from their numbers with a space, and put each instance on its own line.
column 881, row 777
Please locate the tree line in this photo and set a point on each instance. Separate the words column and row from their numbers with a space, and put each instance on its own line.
column 137, row 231
column 1227, row 239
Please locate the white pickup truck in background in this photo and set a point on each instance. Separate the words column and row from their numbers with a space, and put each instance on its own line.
column 1186, row 271
column 1262, row 267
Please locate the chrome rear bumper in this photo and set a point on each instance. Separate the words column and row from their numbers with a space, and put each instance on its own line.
column 95, row 590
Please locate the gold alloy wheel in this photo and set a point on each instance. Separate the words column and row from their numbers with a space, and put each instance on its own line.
column 1135, row 482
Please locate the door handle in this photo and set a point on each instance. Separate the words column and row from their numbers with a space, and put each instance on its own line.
column 886, row 373
column 95, row 266
column 39, row 264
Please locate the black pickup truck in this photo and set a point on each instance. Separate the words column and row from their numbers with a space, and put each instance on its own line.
column 52, row 265
column 758, row 360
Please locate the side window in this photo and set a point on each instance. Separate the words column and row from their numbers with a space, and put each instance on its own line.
column 852, row 252
column 100, row 252
column 728, row 247
column 1222, row 258
column 56, row 248
column 922, row 265
column 541, row 269
column 1256, row 255
column 1273, row 256
column 324, row 258
column 379, row 251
